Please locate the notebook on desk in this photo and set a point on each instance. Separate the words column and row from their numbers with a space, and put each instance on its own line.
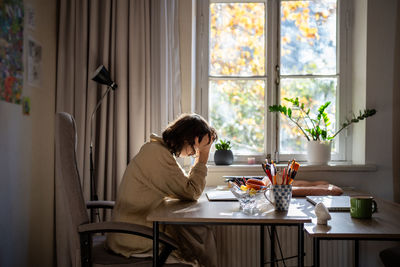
column 332, row 203
column 220, row 196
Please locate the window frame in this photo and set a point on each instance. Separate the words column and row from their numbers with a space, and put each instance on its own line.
column 272, row 91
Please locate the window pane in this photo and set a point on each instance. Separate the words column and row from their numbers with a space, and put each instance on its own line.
column 237, row 39
column 308, row 37
column 313, row 93
column 237, row 112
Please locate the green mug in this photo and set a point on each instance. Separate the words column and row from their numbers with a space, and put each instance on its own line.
column 362, row 207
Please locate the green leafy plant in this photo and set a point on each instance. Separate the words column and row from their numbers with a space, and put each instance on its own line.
column 316, row 128
column 223, row 145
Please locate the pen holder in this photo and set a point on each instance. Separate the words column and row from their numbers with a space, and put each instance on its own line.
column 279, row 196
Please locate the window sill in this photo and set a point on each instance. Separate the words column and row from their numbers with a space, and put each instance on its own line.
column 253, row 169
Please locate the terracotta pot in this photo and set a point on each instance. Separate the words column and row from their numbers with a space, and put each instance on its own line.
column 318, row 152
column 223, row 157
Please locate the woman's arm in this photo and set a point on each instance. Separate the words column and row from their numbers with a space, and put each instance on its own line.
column 157, row 168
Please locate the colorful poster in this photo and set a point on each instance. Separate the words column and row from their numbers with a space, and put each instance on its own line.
column 11, row 44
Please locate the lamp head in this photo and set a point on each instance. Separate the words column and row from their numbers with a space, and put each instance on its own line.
column 102, row 76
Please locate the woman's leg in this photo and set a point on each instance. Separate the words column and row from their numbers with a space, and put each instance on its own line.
column 195, row 243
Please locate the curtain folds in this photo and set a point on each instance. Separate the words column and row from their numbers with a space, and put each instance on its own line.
column 138, row 42
column 165, row 54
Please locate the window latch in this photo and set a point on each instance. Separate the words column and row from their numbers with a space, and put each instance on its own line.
column 278, row 74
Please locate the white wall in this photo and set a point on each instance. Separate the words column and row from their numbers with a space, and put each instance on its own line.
column 27, row 158
column 359, row 73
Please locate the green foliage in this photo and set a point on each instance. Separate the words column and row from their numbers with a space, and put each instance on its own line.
column 316, row 128
column 223, row 145
column 237, row 111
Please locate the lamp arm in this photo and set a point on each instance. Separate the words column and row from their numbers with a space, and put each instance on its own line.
column 93, row 193
column 94, row 112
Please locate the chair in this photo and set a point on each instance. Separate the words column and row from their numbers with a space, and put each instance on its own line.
column 84, row 250
column 390, row 257
column 94, row 205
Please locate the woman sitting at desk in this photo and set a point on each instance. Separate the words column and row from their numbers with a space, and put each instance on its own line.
column 154, row 174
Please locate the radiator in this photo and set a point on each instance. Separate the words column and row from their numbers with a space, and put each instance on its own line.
column 238, row 246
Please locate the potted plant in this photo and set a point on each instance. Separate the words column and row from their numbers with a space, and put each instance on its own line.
column 223, row 154
column 315, row 128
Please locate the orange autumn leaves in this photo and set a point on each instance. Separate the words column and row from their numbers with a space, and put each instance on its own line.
column 237, row 48
column 237, row 42
column 237, row 34
column 299, row 13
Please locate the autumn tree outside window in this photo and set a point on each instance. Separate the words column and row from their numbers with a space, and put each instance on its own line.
column 256, row 53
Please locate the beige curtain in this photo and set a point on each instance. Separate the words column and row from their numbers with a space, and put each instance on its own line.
column 137, row 41
column 116, row 34
column 396, row 113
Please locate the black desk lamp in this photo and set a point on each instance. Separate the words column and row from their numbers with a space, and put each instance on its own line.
column 102, row 76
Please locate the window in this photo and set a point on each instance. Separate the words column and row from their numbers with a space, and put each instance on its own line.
column 252, row 54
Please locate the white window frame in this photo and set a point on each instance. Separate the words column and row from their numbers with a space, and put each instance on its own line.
column 271, row 141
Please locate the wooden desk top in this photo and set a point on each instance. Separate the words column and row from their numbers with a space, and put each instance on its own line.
column 226, row 212
column 384, row 224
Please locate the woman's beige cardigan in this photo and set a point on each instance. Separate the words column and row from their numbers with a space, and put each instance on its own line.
column 152, row 175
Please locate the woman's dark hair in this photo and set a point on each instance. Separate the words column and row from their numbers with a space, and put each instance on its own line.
column 184, row 130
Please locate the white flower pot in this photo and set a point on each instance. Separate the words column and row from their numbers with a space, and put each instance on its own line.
column 318, row 152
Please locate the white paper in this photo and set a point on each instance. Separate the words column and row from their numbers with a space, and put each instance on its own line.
column 34, row 63
column 30, row 16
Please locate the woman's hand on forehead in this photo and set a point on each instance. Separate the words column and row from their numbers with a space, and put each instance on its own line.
column 204, row 144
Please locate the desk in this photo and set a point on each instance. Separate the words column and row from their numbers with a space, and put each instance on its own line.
column 384, row 225
column 218, row 212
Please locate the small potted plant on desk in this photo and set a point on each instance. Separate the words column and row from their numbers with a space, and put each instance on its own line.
column 223, row 154
column 315, row 129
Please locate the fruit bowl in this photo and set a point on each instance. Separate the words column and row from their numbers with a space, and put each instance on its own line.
column 247, row 197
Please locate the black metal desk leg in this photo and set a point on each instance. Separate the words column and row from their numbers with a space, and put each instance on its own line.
column 356, row 253
column 300, row 245
column 272, row 239
column 262, row 245
column 155, row 244
column 316, row 251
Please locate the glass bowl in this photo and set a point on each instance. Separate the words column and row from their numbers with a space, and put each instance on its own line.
column 247, row 198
